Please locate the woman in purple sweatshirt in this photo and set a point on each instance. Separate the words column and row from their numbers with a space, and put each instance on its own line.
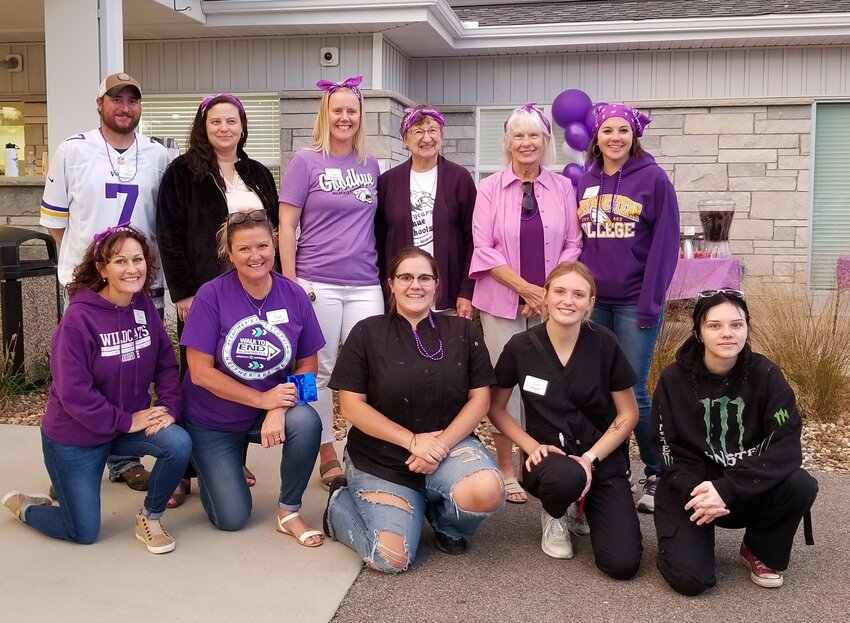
column 630, row 225
column 107, row 350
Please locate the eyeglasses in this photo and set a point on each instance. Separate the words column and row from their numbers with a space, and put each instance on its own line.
column 237, row 218
column 705, row 294
column 431, row 132
column 424, row 280
column 528, row 197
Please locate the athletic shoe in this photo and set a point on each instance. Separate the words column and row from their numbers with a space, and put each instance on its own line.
column 556, row 539
column 578, row 527
column 153, row 535
column 18, row 502
column 646, row 503
column 759, row 573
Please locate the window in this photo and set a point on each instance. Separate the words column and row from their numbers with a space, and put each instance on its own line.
column 172, row 117
column 830, row 226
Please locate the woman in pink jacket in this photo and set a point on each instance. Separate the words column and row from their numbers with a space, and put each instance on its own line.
column 524, row 224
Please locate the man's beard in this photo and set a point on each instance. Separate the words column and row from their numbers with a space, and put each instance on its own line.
column 110, row 123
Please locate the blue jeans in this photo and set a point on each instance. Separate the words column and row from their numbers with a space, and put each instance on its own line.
column 76, row 473
column 217, row 459
column 638, row 345
column 357, row 521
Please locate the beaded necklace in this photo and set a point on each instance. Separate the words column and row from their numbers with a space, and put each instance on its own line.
column 616, row 188
column 535, row 208
column 437, row 355
column 121, row 159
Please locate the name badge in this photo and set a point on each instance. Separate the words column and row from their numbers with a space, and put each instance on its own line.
column 139, row 314
column 534, row 385
column 590, row 191
column 127, row 171
column 334, row 174
column 277, row 316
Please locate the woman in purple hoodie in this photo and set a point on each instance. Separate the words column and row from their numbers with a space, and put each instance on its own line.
column 630, row 226
column 107, row 350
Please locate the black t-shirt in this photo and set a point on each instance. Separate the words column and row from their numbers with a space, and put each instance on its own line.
column 380, row 359
column 596, row 368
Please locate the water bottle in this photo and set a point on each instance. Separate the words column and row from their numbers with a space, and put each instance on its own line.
column 688, row 244
column 11, row 160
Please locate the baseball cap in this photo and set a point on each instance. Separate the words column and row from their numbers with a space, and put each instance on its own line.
column 113, row 83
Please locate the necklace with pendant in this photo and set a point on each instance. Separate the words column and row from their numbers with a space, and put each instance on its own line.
column 262, row 303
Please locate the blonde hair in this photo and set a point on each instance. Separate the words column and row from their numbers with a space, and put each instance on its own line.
column 322, row 129
column 565, row 268
column 528, row 121
column 224, row 235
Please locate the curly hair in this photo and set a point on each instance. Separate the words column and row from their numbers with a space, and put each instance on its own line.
column 98, row 254
column 200, row 157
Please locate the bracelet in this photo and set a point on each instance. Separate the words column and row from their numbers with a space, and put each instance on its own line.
column 412, row 442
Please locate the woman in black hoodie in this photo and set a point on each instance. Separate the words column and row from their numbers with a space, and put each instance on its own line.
column 726, row 424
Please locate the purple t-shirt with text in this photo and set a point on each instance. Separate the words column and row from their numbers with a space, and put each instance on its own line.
column 338, row 197
column 257, row 349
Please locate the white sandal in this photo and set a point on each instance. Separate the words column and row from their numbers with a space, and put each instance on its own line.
column 512, row 487
column 301, row 538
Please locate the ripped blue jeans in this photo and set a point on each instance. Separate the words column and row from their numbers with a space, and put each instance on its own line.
column 357, row 514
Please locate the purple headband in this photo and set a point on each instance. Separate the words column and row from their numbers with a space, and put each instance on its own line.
column 412, row 115
column 349, row 83
column 99, row 238
column 529, row 108
column 230, row 98
column 633, row 116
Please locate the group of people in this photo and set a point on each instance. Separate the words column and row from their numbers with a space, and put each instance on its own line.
column 269, row 285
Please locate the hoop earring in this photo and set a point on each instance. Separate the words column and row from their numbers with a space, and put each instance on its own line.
column 596, row 152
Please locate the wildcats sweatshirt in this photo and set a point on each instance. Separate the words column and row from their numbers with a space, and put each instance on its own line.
column 741, row 431
column 103, row 359
column 630, row 229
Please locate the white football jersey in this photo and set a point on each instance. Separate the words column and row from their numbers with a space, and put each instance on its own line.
column 91, row 186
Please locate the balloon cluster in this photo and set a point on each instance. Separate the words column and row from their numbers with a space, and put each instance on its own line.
column 573, row 111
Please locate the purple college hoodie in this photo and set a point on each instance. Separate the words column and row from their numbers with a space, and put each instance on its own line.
column 631, row 247
column 103, row 359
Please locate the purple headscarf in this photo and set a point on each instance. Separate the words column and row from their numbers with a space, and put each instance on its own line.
column 412, row 115
column 531, row 107
column 633, row 116
column 349, row 83
column 228, row 96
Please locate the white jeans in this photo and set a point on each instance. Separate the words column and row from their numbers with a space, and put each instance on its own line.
column 338, row 309
column 497, row 332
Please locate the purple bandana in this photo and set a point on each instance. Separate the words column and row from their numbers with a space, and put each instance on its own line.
column 349, row 83
column 529, row 108
column 230, row 98
column 99, row 238
column 633, row 116
column 412, row 115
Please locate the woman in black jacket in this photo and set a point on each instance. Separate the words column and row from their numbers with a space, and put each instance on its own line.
column 214, row 178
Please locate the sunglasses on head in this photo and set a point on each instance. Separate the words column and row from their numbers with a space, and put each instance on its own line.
column 709, row 293
column 528, row 197
column 237, row 218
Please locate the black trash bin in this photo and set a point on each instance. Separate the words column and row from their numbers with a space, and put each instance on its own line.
column 13, row 269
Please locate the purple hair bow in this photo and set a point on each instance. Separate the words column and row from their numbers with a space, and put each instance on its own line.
column 633, row 116
column 349, row 83
column 231, row 98
column 531, row 107
column 99, row 238
column 411, row 115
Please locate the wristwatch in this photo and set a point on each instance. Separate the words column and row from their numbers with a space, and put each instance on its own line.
column 594, row 460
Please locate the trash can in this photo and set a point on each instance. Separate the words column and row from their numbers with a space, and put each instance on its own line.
column 16, row 247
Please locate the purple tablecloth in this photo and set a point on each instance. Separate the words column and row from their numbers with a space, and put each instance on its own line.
column 693, row 276
column 842, row 272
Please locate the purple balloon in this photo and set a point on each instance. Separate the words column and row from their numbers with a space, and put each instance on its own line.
column 577, row 136
column 570, row 106
column 573, row 172
column 590, row 119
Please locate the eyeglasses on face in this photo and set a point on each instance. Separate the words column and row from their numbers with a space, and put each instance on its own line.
column 424, row 279
column 528, row 197
column 237, row 218
column 705, row 294
column 418, row 133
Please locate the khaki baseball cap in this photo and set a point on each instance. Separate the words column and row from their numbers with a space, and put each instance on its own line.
column 114, row 83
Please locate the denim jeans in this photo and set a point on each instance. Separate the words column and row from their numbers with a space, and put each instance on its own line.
column 357, row 521
column 217, row 459
column 76, row 473
column 638, row 345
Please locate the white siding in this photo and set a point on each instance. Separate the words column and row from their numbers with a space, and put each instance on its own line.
column 31, row 79
column 396, row 69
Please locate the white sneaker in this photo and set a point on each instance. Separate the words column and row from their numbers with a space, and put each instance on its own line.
column 578, row 527
column 646, row 503
column 556, row 539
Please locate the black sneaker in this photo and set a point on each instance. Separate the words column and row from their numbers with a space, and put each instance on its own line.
column 646, row 503
column 450, row 545
column 336, row 483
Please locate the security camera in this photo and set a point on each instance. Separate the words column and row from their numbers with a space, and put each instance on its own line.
column 329, row 57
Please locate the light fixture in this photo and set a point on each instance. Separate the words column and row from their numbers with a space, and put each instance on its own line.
column 12, row 63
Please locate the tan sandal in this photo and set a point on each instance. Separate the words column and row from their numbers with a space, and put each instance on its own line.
column 512, row 487
column 324, row 468
column 301, row 538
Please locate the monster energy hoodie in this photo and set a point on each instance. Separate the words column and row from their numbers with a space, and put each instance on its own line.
column 630, row 226
column 740, row 431
column 103, row 359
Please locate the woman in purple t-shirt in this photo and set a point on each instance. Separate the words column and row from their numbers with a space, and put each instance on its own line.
column 247, row 331
column 329, row 190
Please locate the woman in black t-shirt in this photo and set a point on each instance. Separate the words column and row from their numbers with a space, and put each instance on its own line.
column 414, row 386
column 576, row 386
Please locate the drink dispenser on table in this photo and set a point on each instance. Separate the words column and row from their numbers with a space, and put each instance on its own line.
column 716, row 218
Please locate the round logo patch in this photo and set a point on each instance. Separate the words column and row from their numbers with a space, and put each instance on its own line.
column 254, row 349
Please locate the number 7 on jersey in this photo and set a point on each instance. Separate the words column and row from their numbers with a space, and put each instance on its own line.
column 132, row 193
